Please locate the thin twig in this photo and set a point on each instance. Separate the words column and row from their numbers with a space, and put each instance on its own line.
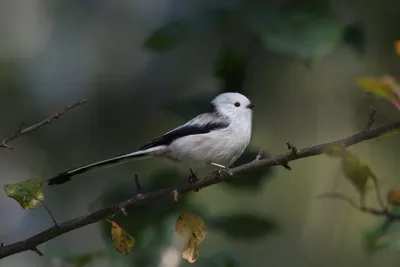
column 259, row 155
column 371, row 119
column 137, row 183
column 51, row 215
column 21, row 130
column 292, row 148
column 35, row 249
column 151, row 197
column 47, row 209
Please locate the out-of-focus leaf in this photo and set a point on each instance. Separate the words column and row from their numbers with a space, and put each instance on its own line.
column 84, row 259
column 307, row 35
column 386, row 234
column 383, row 87
column 371, row 240
column 27, row 193
column 354, row 35
column 193, row 231
column 123, row 242
column 230, row 67
column 243, row 226
column 355, row 170
column 252, row 180
column 175, row 32
column 220, row 259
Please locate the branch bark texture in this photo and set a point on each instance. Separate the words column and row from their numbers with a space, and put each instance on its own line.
column 142, row 199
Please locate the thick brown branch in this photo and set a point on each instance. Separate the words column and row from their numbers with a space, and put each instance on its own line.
column 21, row 130
column 147, row 198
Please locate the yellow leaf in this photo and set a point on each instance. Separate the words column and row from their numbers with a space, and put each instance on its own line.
column 356, row 171
column 193, row 231
column 393, row 197
column 123, row 242
column 385, row 87
column 27, row 193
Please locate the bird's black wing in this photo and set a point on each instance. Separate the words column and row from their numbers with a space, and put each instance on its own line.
column 202, row 124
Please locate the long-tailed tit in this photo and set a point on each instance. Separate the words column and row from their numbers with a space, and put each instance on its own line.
column 217, row 137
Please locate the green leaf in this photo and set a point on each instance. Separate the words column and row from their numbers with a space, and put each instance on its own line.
column 384, row 235
column 27, row 193
column 354, row 35
column 219, row 259
column 84, row 259
column 253, row 179
column 307, row 35
column 243, row 226
column 175, row 32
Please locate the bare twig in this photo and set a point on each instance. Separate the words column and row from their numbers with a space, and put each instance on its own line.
column 292, row 148
column 48, row 211
column 137, row 183
column 371, row 119
column 150, row 197
column 259, row 155
column 37, row 251
column 22, row 130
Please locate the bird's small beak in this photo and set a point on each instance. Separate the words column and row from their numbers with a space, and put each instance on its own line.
column 250, row 106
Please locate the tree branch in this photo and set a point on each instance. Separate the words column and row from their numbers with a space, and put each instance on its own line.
column 24, row 130
column 146, row 198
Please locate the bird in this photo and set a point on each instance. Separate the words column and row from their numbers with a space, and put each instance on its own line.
column 217, row 137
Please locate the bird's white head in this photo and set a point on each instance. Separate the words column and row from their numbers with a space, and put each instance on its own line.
column 233, row 105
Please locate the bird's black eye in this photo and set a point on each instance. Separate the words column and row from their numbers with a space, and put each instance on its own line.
column 237, row 104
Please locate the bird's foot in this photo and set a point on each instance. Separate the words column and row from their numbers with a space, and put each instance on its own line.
column 193, row 178
column 222, row 169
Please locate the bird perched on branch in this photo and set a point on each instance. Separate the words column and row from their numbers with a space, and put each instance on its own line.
column 217, row 137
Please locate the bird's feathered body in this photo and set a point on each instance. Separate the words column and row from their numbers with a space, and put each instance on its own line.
column 218, row 136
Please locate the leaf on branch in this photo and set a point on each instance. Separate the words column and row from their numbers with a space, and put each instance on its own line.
column 123, row 242
column 27, row 193
column 356, row 171
column 244, row 226
column 383, row 87
column 193, row 230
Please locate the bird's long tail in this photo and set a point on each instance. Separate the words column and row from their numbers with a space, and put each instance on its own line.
column 68, row 175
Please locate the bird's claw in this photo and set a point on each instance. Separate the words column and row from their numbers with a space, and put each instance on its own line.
column 225, row 170
column 193, row 178
column 222, row 169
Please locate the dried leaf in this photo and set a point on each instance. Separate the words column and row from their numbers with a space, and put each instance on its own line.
column 27, row 193
column 393, row 196
column 384, row 87
column 193, row 231
column 123, row 242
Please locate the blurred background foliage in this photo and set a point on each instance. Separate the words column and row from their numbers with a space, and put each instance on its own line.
column 147, row 66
